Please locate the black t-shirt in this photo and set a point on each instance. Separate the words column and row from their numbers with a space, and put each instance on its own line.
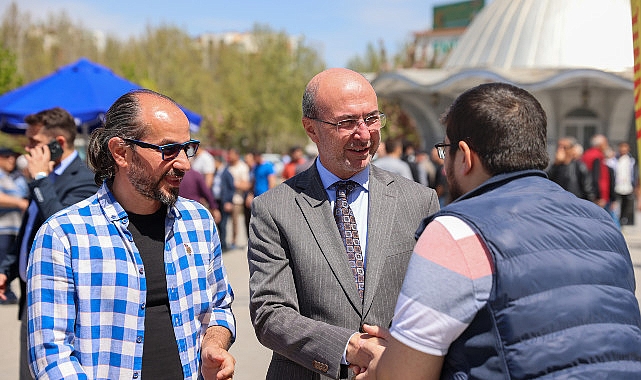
column 160, row 359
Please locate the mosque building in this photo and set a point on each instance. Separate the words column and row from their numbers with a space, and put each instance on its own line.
column 575, row 56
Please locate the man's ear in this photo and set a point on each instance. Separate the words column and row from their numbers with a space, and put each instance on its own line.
column 468, row 157
column 62, row 141
column 308, row 124
column 118, row 150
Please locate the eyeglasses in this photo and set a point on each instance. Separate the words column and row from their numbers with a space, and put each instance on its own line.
column 170, row 151
column 440, row 148
column 374, row 122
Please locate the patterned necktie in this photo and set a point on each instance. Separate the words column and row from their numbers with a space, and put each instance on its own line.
column 349, row 232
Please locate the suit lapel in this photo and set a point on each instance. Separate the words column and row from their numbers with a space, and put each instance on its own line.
column 318, row 214
column 382, row 211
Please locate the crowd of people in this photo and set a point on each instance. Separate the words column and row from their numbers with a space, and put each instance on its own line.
column 369, row 259
column 236, row 180
column 599, row 174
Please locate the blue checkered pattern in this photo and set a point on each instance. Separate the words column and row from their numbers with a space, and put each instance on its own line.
column 87, row 290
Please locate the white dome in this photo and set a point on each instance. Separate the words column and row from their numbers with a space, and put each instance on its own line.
column 548, row 34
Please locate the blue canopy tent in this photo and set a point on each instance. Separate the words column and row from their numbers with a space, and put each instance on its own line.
column 83, row 88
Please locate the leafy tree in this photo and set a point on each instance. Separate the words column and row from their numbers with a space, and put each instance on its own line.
column 248, row 94
column 372, row 62
column 9, row 77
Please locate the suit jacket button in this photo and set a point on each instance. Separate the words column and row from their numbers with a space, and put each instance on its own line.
column 321, row 366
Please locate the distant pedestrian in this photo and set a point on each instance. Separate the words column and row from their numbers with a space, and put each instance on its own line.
column 249, row 194
column 194, row 187
column 392, row 159
column 569, row 172
column 240, row 171
column 296, row 164
column 264, row 175
column 203, row 162
column 223, row 191
column 13, row 204
column 626, row 183
column 594, row 159
column 409, row 156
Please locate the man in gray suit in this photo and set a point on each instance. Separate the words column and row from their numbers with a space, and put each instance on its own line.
column 312, row 286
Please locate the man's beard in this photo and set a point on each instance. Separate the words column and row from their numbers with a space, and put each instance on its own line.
column 148, row 187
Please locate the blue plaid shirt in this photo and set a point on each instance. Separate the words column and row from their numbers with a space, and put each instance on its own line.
column 86, row 290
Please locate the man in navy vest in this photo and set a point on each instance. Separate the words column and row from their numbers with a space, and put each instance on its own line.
column 516, row 278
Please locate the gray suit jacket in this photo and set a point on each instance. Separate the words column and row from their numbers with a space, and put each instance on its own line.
column 304, row 304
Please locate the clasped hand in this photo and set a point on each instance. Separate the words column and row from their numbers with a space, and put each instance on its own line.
column 365, row 350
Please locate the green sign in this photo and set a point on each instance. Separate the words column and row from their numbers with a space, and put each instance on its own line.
column 456, row 15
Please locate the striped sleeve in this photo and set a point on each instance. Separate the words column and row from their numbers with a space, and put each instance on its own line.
column 448, row 281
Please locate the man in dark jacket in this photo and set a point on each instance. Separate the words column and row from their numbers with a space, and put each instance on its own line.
column 223, row 190
column 570, row 172
column 516, row 278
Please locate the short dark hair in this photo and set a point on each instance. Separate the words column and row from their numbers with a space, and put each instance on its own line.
column 294, row 148
column 392, row 143
column 504, row 124
column 55, row 121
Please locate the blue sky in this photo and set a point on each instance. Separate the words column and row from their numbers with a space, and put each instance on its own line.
column 338, row 29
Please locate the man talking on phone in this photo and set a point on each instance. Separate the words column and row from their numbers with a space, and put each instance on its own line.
column 58, row 178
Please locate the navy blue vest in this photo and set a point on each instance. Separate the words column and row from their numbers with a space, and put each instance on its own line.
column 562, row 302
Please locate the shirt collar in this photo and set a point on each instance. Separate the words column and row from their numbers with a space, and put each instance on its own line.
column 328, row 178
column 114, row 211
column 64, row 164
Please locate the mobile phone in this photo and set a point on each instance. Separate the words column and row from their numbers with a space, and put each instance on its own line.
column 55, row 149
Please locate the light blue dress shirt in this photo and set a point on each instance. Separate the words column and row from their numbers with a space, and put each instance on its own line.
column 358, row 199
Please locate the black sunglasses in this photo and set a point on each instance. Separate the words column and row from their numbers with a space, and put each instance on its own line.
column 170, row 151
